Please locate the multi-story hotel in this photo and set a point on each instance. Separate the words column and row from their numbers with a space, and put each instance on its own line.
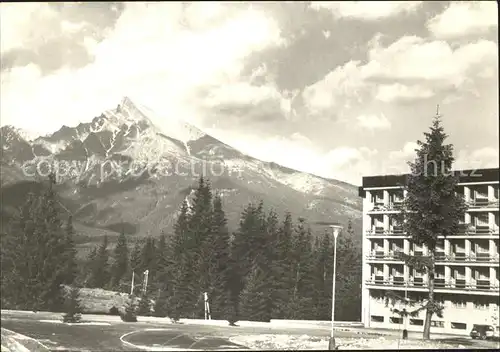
column 467, row 263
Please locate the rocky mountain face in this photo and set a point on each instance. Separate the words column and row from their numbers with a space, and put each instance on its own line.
column 121, row 171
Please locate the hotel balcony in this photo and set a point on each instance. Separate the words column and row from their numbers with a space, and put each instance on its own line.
column 440, row 284
column 379, row 231
column 441, row 257
column 378, row 207
column 465, row 230
column 482, row 203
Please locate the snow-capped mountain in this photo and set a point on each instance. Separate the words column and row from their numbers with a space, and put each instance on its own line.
column 120, row 167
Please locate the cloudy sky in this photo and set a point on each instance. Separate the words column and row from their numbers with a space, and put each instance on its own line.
column 341, row 90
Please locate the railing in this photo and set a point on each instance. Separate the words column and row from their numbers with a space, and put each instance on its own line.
column 395, row 231
column 465, row 230
column 480, row 257
column 483, row 203
column 439, row 283
column 394, row 206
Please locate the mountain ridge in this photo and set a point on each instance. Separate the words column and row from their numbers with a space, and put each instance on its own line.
column 151, row 170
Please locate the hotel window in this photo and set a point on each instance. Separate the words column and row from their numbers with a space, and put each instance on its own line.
column 437, row 324
column 481, row 305
column 377, row 223
column 481, row 220
column 458, row 326
column 378, row 197
column 481, row 192
column 458, row 246
column 459, row 274
column 418, row 322
column 377, row 318
column 396, row 320
column 482, row 274
column 462, row 304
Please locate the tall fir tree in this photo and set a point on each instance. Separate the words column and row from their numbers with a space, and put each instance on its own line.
column 182, row 300
column 431, row 209
column 323, row 262
column 120, row 265
column 302, row 255
column 71, row 270
column 283, row 269
column 38, row 253
column 99, row 275
column 218, row 248
column 200, row 228
column 348, row 281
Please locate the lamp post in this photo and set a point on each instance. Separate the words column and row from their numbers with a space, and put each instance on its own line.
column 336, row 229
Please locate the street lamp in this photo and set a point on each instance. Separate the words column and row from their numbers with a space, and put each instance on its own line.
column 336, row 229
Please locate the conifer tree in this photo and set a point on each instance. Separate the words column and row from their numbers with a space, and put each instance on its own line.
column 135, row 263
column 120, row 264
column 283, row 267
column 218, row 247
column 323, row 262
column 71, row 270
column 431, row 208
column 163, row 264
column 183, row 299
column 200, row 228
column 160, row 309
column 99, row 276
column 303, row 271
column 348, row 281
column 72, row 307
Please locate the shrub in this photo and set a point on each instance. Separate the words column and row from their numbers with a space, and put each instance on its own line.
column 114, row 311
column 130, row 314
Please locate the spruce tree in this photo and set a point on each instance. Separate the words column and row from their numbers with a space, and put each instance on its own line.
column 283, row 267
column 348, row 281
column 303, row 271
column 201, row 240
column 71, row 270
column 182, row 300
column 323, row 262
column 218, row 246
column 72, row 307
column 99, row 276
column 160, row 309
column 120, row 264
column 431, row 208
column 135, row 264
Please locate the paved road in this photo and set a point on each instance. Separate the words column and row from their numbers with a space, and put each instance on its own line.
column 119, row 336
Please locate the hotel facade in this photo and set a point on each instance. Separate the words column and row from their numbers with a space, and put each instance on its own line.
column 467, row 263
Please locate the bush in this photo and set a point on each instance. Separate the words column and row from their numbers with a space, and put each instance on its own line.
column 114, row 311
column 130, row 314
column 72, row 306
column 144, row 308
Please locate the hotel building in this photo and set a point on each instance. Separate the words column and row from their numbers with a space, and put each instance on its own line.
column 467, row 263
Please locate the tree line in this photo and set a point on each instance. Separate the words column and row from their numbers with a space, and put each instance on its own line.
column 268, row 268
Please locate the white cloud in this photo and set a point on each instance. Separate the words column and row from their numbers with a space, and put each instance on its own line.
column 411, row 68
column 339, row 89
column 367, row 10
column 463, row 18
column 486, row 157
column 17, row 21
column 407, row 153
column 374, row 122
column 388, row 93
column 163, row 65
column 409, row 58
